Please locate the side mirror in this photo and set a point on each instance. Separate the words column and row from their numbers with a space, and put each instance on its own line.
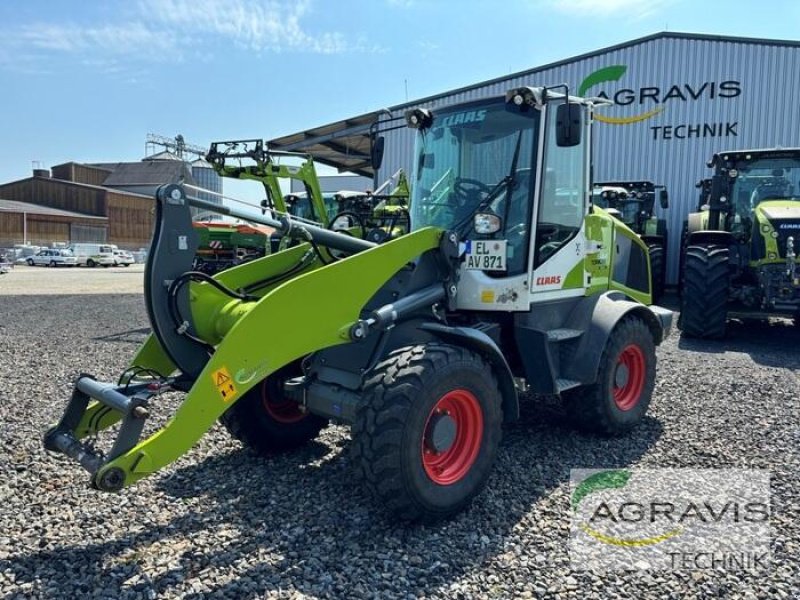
column 376, row 152
column 664, row 199
column 719, row 193
column 569, row 121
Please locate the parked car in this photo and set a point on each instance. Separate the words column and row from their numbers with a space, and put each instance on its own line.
column 123, row 258
column 52, row 258
column 93, row 255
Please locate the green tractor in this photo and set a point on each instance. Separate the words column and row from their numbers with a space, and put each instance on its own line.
column 509, row 279
column 739, row 257
column 633, row 202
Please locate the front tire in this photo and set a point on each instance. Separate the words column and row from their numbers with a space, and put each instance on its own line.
column 426, row 435
column 704, row 303
column 267, row 422
column 618, row 400
column 657, row 270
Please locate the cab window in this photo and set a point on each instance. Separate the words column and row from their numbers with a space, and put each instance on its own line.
column 562, row 203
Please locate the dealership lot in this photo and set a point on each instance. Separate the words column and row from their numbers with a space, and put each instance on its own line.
column 223, row 523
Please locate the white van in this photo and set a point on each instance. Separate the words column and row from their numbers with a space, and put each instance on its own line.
column 92, row 255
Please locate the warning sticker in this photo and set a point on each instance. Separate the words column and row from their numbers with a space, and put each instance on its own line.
column 224, row 384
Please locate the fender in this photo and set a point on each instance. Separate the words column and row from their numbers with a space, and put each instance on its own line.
column 480, row 342
column 708, row 237
column 609, row 308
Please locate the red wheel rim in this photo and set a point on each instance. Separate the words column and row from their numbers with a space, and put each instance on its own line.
column 282, row 411
column 450, row 465
column 628, row 391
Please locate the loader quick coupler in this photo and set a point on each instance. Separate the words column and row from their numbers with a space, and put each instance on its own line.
column 82, row 420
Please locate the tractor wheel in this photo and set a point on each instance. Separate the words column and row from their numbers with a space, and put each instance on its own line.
column 265, row 421
column 657, row 265
column 618, row 400
column 704, row 303
column 426, row 434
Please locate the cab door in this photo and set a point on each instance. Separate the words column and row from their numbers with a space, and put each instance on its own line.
column 559, row 240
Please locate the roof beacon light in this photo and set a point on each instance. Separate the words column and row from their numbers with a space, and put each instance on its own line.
column 419, row 118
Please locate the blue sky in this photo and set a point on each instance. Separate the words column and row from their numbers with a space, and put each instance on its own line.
column 86, row 81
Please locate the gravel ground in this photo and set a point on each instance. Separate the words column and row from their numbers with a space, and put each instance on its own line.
column 224, row 523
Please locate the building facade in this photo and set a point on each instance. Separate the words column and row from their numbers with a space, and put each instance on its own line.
column 678, row 99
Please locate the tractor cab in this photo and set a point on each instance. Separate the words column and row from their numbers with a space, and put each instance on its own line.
column 756, row 193
column 510, row 176
column 633, row 201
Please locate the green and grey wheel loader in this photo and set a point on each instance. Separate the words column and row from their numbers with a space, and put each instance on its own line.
column 509, row 275
column 739, row 255
column 634, row 202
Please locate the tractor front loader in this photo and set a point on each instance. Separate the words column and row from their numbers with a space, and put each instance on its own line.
column 509, row 277
column 634, row 202
column 740, row 255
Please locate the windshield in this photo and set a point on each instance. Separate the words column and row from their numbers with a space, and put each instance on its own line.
column 477, row 157
column 765, row 179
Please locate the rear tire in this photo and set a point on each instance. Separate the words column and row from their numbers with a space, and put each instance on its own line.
column 30, row 262
column 53, row 264
column 426, row 435
column 618, row 400
column 704, row 303
column 91, row 263
column 268, row 423
column 657, row 270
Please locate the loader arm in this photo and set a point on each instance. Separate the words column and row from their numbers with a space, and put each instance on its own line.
column 291, row 314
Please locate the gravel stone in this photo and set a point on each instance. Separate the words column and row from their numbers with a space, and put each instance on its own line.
column 223, row 523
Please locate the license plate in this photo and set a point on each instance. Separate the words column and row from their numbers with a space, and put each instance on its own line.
column 486, row 255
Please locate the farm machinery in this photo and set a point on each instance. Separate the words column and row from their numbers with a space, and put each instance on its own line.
column 508, row 280
column 377, row 216
column 634, row 202
column 225, row 245
column 740, row 251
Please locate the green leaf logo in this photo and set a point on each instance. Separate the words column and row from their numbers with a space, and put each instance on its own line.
column 612, row 73
column 605, row 480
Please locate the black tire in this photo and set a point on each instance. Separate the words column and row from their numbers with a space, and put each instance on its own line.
column 91, row 263
column 269, row 426
column 53, row 264
column 619, row 399
column 30, row 262
column 395, row 435
column 704, row 303
column 657, row 270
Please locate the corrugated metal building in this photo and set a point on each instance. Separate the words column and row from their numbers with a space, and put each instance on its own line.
column 679, row 98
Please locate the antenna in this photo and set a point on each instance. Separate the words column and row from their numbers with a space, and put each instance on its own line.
column 177, row 144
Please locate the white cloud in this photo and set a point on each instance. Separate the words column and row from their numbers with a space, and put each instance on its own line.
column 171, row 30
column 263, row 26
column 632, row 9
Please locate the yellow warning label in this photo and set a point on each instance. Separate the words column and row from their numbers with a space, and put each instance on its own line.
column 224, row 384
column 487, row 296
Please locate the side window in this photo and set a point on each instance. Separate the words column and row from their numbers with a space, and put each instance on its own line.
column 561, row 208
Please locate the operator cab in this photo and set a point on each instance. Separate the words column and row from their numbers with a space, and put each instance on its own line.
column 505, row 176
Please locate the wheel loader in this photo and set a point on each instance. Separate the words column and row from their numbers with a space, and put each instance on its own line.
column 633, row 202
column 509, row 280
column 740, row 254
